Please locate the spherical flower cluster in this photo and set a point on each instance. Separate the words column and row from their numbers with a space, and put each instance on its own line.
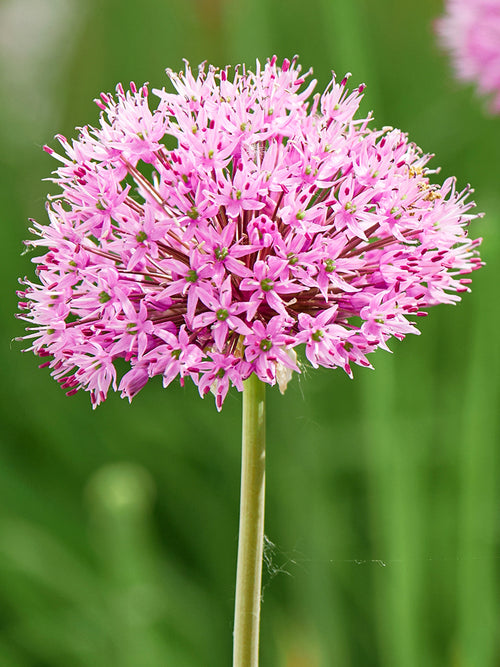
column 470, row 30
column 240, row 218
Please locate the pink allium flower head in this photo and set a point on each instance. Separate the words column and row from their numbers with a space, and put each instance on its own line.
column 239, row 218
column 470, row 30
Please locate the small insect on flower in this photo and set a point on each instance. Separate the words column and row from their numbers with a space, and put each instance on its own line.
column 278, row 220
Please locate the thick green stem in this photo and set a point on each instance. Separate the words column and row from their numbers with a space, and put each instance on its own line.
column 251, row 534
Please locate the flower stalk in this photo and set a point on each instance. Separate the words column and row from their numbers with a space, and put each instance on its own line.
column 251, row 531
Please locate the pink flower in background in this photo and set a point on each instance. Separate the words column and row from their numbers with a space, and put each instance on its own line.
column 237, row 219
column 470, row 30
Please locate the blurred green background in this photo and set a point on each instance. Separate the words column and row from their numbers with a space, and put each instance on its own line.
column 118, row 528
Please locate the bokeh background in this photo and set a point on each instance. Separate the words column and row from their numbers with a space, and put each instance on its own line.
column 118, row 527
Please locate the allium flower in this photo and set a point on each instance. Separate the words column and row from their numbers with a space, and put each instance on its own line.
column 470, row 29
column 236, row 220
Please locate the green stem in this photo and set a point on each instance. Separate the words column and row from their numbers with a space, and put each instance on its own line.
column 251, row 534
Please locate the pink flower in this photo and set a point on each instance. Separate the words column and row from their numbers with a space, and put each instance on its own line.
column 265, row 348
column 277, row 221
column 470, row 30
column 222, row 314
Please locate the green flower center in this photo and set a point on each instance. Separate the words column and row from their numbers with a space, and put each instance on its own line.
column 318, row 335
column 265, row 345
column 221, row 253
column 222, row 314
column 330, row 265
column 191, row 276
column 193, row 213
column 266, row 285
column 104, row 297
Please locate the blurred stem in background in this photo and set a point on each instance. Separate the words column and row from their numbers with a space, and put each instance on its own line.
column 251, row 532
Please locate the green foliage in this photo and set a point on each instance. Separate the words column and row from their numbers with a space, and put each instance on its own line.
column 118, row 527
